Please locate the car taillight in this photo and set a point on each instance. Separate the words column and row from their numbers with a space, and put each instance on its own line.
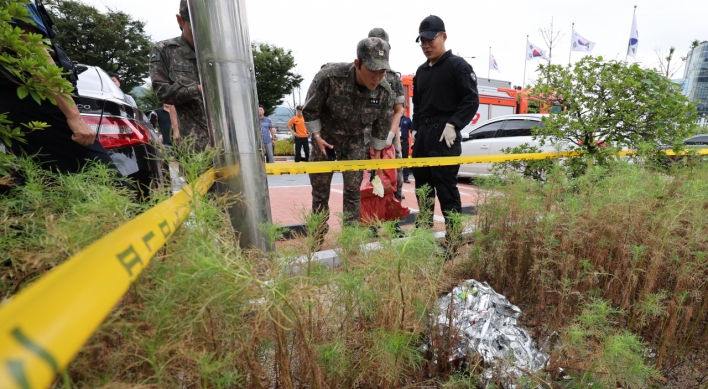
column 114, row 132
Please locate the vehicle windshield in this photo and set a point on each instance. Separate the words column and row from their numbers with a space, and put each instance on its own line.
column 89, row 80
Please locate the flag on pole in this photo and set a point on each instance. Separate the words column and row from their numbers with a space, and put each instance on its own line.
column 578, row 43
column 493, row 63
column 535, row 52
column 633, row 39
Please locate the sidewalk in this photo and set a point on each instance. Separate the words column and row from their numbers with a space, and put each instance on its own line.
column 291, row 198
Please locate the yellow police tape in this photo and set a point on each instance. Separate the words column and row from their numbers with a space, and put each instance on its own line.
column 373, row 164
column 44, row 326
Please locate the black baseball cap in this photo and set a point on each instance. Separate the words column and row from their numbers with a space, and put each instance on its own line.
column 298, row 108
column 430, row 27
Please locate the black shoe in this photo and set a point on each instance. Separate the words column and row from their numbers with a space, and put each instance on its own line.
column 405, row 180
column 398, row 232
column 403, row 197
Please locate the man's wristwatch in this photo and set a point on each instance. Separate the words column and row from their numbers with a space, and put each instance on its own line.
column 316, row 135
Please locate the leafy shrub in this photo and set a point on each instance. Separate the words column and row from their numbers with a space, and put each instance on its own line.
column 284, row 147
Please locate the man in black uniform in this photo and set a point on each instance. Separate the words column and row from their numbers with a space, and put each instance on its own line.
column 445, row 100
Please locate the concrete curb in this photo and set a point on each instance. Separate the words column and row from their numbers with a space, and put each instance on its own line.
column 331, row 258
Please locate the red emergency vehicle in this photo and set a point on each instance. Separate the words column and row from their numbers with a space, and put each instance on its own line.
column 493, row 101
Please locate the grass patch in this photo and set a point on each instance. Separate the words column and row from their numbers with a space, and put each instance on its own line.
column 614, row 260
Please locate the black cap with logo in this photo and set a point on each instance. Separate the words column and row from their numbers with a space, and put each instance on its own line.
column 430, row 27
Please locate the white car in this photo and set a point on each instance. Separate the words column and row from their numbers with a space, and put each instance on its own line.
column 490, row 137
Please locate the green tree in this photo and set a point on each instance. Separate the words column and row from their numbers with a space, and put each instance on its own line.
column 147, row 100
column 274, row 75
column 113, row 41
column 24, row 57
column 615, row 104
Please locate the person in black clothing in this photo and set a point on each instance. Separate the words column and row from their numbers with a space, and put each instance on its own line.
column 444, row 102
column 405, row 126
column 69, row 143
column 164, row 123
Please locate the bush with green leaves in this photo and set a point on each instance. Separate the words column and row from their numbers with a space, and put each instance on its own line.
column 613, row 105
column 597, row 354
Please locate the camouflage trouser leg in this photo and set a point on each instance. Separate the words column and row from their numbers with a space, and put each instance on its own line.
column 346, row 148
column 201, row 140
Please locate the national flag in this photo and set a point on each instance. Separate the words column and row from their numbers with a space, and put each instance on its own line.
column 578, row 43
column 535, row 52
column 633, row 39
column 493, row 63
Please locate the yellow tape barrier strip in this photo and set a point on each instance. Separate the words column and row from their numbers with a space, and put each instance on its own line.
column 45, row 325
column 373, row 164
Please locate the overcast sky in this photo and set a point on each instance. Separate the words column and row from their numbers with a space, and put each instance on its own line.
column 321, row 31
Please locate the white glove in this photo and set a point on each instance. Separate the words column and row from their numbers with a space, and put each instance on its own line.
column 378, row 186
column 449, row 135
column 389, row 139
column 412, row 136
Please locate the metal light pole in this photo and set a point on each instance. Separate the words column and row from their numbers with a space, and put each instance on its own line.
column 228, row 79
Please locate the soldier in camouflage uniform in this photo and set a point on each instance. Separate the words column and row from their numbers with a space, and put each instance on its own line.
column 343, row 100
column 175, row 80
column 394, row 79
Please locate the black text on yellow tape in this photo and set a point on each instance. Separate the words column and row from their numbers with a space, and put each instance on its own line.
column 45, row 325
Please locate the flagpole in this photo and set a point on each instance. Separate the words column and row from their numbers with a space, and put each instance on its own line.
column 523, row 82
column 489, row 67
column 572, row 31
column 629, row 42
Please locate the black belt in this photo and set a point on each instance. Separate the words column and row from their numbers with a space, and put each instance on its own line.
column 434, row 119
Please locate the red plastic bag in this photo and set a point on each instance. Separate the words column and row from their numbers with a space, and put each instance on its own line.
column 375, row 208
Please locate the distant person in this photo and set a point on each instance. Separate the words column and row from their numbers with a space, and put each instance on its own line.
column 299, row 130
column 116, row 80
column 69, row 143
column 164, row 124
column 268, row 134
column 175, row 80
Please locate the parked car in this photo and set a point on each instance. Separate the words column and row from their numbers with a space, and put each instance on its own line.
column 282, row 131
column 698, row 140
column 490, row 137
column 124, row 131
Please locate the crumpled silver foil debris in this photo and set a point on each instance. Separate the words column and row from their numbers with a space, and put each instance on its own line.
column 487, row 323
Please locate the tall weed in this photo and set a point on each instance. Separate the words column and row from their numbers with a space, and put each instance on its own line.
column 633, row 236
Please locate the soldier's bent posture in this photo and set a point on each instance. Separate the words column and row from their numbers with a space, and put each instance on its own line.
column 175, row 80
column 343, row 100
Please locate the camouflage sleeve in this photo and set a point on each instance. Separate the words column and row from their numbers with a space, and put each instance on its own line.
column 398, row 89
column 382, row 125
column 166, row 90
column 315, row 100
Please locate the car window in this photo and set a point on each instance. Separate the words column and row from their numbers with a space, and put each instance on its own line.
column 516, row 127
column 486, row 131
column 89, row 80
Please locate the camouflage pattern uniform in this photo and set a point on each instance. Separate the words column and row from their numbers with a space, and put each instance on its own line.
column 338, row 112
column 175, row 80
column 394, row 79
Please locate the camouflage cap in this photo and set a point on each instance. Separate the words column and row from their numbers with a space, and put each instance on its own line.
column 184, row 11
column 379, row 33
column 374, row 53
